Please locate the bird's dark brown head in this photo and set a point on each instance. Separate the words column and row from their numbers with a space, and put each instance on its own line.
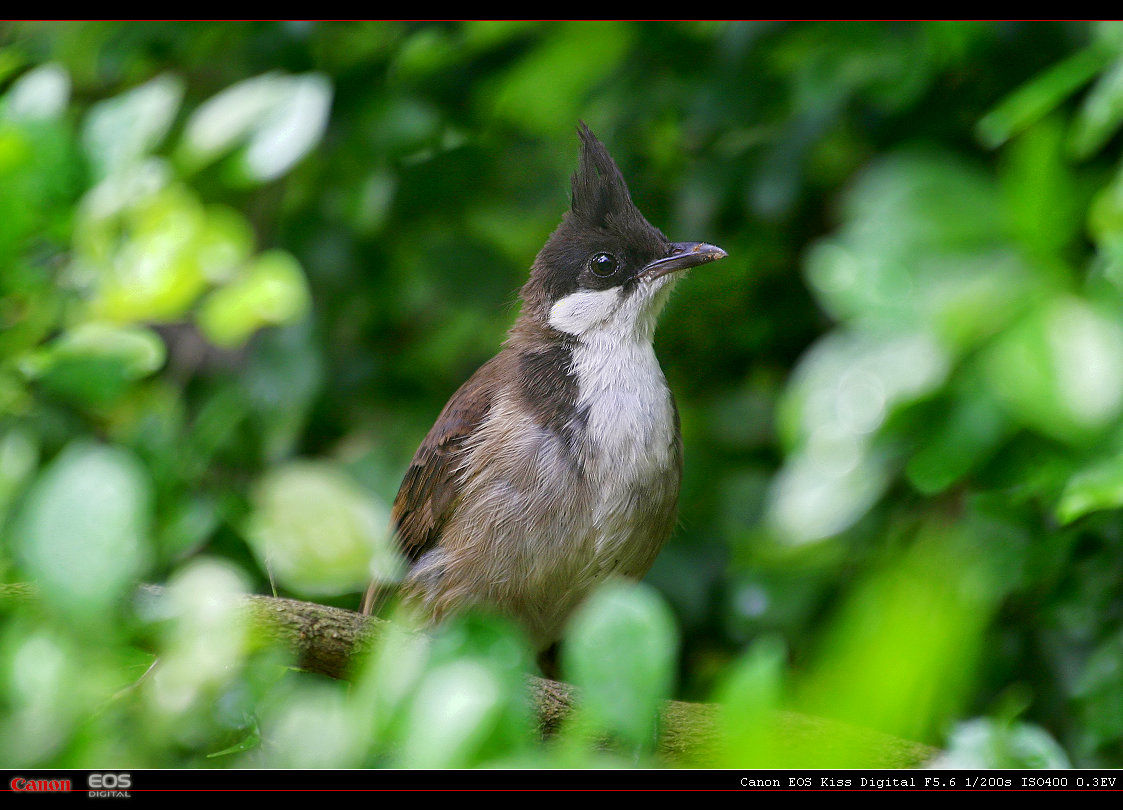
column 603, row 253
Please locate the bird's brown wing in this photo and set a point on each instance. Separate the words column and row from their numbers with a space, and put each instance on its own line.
column 431, row 487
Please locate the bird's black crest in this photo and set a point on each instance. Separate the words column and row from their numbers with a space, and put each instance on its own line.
column 599, row 190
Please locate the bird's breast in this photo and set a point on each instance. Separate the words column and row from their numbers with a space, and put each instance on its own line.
column 627, row 411
column 629, row 450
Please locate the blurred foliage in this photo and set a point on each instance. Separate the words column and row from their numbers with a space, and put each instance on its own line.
column 243, row 265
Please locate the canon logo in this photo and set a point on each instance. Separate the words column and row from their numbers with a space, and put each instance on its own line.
column 45, row 785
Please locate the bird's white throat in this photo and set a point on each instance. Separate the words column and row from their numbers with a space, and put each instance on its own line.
column 621, row 387
column 613, row 314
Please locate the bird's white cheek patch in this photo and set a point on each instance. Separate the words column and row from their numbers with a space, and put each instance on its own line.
column 585, row 310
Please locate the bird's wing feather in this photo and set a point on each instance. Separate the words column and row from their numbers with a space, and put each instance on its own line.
column 431, row 487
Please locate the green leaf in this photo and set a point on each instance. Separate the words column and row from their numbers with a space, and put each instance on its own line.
column 291, row 129
column 318, row 532
column 312, row 727
column 1109, row 34
column 751, row 690
column 250, row 742
column 224, row 245
column 95, row 362
column 850, row 382
column 1094, row 488
column 1101, row 114
column 19, row 456
column 455, row 710
column 229, row 117
column 83, row 531
column 1105, row 222
column 923, row 245
column 985, row 743
column 270, row 291
column 1039, row 193
column 620, row 650
column 203, row 641
column 1105, row 225
column 900, row 654
column 139, row 351
column 150, row 265
column 278, row 119
column 1098, row 688
column 1060, row 370
column 122, row 130
column 40, row 94
column 1035, row 99
column 468, row 707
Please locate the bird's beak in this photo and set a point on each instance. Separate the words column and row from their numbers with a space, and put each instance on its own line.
column 681, row 256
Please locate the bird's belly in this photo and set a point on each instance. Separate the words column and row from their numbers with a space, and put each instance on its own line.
column 538, row 531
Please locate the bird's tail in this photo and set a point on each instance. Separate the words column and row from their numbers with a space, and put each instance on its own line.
column 374, row 598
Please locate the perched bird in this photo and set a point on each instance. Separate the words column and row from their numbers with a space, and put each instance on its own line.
column 557, row 464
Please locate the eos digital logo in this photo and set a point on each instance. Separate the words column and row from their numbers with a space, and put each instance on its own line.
column 109, row 785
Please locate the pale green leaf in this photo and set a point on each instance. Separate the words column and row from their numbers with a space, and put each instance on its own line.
column 620, row 650
column 83, row 532
column 124, row 129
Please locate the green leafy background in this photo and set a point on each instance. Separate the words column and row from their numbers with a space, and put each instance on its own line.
column 243, row 265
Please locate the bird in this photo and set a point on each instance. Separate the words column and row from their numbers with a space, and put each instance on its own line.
column 557, row 465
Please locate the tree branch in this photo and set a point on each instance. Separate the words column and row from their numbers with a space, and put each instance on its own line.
column 327, row 639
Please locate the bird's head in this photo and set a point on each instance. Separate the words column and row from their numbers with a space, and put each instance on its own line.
column 605, row 271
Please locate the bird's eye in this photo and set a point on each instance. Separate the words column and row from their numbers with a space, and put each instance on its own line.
column 603, row 264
